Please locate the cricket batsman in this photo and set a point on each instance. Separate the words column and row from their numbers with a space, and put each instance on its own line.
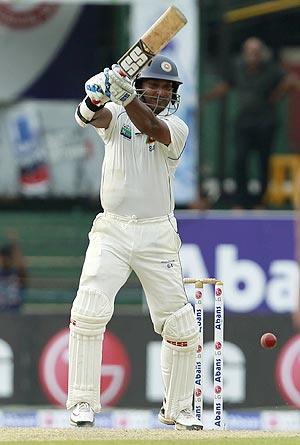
column 137, row 231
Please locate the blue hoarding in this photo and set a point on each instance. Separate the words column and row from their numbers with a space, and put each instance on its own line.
column 254, row 254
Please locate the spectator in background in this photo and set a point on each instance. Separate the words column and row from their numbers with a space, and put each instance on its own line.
column 13, row 277
column 260, row 83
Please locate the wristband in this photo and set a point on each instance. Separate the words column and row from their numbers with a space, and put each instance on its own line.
column 86, row 110
column 92, row 106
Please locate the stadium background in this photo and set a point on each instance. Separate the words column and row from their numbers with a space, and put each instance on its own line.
column 49, row 181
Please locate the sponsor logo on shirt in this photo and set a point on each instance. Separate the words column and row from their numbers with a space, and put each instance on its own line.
column 169, row 263
column 126, row 131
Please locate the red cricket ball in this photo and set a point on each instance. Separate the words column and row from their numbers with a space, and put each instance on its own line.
column 268, row 340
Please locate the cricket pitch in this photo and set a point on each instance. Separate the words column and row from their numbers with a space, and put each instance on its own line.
column 99, row 436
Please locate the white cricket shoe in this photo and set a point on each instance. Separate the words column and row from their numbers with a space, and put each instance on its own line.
column 184, row 421
column 82, row 415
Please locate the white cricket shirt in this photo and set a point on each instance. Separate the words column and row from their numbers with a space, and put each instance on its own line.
column 137, row 176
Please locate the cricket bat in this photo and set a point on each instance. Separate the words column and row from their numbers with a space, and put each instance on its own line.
column 152, row 42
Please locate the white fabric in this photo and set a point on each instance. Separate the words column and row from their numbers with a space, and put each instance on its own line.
column 122, row 92
column 85, row 112
column 97, row 88
column 90, row 313
column 138, row 232
column 178, row 359
column 150, row 247
column 137, row 174
column 79, row 121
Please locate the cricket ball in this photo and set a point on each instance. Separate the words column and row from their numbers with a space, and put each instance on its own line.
column 268, row 340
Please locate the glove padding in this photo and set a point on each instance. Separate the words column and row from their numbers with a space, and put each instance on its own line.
column 121, row 90
column 98, row 88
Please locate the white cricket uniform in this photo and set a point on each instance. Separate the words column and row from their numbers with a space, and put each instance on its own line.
column 137, row 177
column 138, row 230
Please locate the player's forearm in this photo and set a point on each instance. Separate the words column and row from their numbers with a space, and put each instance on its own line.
column 101, row 118
column 88, row 113
column 142, row 117
column 146, row 121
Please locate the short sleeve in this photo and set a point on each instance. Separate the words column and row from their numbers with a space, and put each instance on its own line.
column 179, row 132
column 106, row 133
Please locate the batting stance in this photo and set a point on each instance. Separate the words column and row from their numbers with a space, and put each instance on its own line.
column 137, row 231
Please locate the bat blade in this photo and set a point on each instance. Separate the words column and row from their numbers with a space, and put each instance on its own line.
column 152, row 41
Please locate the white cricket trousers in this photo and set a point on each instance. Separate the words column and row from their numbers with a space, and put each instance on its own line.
column 150, row 247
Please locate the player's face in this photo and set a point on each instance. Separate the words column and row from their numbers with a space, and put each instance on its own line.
column 157, row 93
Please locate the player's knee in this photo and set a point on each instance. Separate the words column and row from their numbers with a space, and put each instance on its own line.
column 91, row 311
column 180, row 330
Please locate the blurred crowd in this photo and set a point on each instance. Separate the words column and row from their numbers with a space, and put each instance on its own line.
column 13, row 275
column 260, row 83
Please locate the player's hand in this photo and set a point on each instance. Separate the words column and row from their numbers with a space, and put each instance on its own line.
column 121, row 90
column 98, row 88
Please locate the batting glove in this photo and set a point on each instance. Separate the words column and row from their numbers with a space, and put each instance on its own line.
column 121, row 90
column 98, row 88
